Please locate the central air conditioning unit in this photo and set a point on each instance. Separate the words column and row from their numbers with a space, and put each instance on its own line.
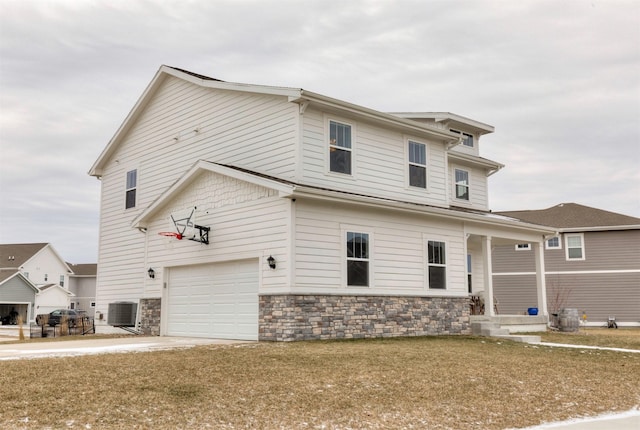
column 122, row 314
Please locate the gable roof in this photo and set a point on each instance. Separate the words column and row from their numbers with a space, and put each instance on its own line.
column 14, row 255
column 576, row 217
column 50, row 287
column 7, row 274
column 294, row 95
column 88, row 269
column 291, row 189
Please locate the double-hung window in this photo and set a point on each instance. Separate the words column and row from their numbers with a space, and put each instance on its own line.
column 462, row 184
column 130, row 191
column 467, row 139
column 417, row 164
column 61, row 283
column 340, row 148
column 575, row 246
column 437, row 261
column 357, row 259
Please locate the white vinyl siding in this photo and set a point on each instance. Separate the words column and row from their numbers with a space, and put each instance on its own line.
column 475, row 182
column 398, row 253
column 379, row 161
column 181, row 124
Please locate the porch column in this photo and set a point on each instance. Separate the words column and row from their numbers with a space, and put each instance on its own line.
column 488, row 276
column 541, row 284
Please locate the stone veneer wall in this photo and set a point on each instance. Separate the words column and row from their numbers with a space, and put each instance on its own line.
column 303, row 317
column 150, row 316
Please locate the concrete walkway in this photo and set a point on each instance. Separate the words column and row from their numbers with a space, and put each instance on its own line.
column 88, row 346
column 629, row 420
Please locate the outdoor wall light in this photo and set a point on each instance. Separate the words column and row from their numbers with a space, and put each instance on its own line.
column 152, row 273
column 272, row 262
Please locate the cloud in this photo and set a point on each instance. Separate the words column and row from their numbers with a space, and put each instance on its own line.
column 560, row 81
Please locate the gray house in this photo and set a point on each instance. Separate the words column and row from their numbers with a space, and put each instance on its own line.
column 593, row 264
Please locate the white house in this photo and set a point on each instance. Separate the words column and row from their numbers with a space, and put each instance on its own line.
column 325, row 219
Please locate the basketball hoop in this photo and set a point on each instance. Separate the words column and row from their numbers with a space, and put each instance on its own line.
column 171, row 234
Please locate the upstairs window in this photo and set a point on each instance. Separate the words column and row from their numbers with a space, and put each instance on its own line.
column 61, row 280
column 467, row 139
column 437, row 264
column 553, row 243
column 417, row 164
column 130, row 191
column 357, row 259
column 339, row 147
column 462, row 184
column 575, row 246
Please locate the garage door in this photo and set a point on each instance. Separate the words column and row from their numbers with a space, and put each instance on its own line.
column 214, row 300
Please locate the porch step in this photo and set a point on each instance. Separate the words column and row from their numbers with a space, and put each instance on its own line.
column 487, row 328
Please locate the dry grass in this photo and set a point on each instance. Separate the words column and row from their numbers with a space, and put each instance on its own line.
column 434, row 382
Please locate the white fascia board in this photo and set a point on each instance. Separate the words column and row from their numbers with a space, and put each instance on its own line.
column 485, row 219
column 158, row 78
column 233, row 86
column 161, row 74
column 477, row 161
column 481, row 127
column 284, row 190
column 600, row 228
column 377, row 116
column 55, row 253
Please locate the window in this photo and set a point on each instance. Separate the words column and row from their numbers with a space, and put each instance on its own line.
column 469, row 266
column 467, row 139
column 575, row 247
column 417, row 164
column 437, row 264
column 46, row 277
column 339, row 147
column 130, row 192
column 93, row 304
column 357, row 259
column 62, row 280
column 523, row 247
column 462, row 184
column 553, row 243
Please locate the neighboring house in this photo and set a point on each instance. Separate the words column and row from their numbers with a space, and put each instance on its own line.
column 593, row 264
column 327, row 219
column 82, row 283
column 53, row 279
column 17, row 294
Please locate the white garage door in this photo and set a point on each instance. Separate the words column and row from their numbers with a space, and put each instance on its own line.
column 214, row 300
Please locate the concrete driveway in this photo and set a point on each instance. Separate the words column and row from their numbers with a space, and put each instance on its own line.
column 102, row 346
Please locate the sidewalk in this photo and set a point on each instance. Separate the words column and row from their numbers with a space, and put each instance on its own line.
column 66, row 348
column 629, row 420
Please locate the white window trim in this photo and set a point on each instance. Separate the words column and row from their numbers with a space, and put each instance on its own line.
column 455, row 186
column 527, row 247
column 326, row 145
column 546, row 243
column 426, row 240
column 137, row 188
column 407, row 163
column 465, row 134
column 343, row 252
column 566, row 246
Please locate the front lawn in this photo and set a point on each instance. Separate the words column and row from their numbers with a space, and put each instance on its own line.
column 452, row 382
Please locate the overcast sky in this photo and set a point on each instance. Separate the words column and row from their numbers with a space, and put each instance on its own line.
column 559, row 81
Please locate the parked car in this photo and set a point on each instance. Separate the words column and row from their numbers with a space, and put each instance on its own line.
column 73, row 317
